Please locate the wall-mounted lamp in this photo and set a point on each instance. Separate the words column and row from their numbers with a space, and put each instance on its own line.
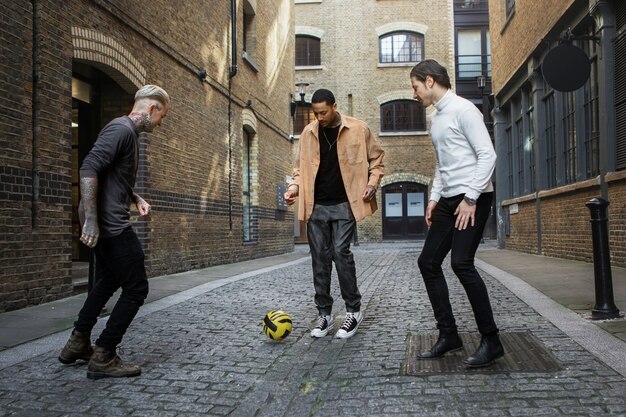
column 294, row 104
column 301, row 87
column 202, row 74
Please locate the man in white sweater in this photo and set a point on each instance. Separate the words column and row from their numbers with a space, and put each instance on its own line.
column 459, row 205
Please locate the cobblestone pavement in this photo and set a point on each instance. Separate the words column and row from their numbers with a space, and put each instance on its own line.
column 207, row 356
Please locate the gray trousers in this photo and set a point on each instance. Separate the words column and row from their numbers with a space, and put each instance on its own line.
column 330, row 230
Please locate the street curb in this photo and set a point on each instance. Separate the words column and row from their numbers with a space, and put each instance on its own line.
column 606, row 347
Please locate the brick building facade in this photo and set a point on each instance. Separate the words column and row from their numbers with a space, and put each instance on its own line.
column 558, row 149
column 363, row 51
column 212, row 172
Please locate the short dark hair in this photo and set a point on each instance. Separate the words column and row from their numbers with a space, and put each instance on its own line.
column 323, row 96
column 434, row 69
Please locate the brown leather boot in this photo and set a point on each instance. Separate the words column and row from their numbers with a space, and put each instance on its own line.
column 105, row 363
column 78, row 347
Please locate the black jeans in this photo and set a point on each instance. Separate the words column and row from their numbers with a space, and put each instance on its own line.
column 120, row 263
column 443, row 237
column 330, row 230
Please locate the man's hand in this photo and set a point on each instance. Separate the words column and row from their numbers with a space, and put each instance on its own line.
column 290, row 196
column 142, row 207
column 464, row 215
column 429, row 212
column 91, row 232
column 368, row 193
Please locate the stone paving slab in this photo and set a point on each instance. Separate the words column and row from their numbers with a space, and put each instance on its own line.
column 207, row 356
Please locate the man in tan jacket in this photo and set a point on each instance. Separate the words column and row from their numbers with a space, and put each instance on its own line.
column 336, row 173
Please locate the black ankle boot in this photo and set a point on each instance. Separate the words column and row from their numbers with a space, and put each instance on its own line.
column 447, row 342
column 489, row 350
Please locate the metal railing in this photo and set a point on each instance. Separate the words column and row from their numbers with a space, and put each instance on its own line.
column 471, row 66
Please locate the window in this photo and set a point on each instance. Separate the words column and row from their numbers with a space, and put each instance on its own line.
column 249, row 29
column 550, row 135
column 519, row 139
column 303, row 116
column 530, row 120
column 307, row 51
column 562, row 146
column 473, row 53
column 549, row 108
column 401, row 47
column 402, row 116
column 591, row 115
column 509, row 151
column 569, row 136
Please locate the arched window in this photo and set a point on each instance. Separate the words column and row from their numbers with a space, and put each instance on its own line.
column 401, row 47
column 402, row 116
column 307, row 51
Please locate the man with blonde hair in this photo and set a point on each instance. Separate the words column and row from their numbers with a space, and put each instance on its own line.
column 107, row 177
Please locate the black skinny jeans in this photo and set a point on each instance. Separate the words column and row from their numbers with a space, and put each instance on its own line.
column 119, row 263
column 443, row 237
column 330, row 230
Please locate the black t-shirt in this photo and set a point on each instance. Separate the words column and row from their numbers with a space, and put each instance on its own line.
column 329, row 188
column 113, row 160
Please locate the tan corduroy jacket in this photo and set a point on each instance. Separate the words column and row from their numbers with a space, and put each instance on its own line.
column 360, row 161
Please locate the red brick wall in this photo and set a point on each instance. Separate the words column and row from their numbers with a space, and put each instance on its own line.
column 566, row 230
column 566, row 226
column 617, row 219
column 184, row 169
column 35, row 104
column 523, row 227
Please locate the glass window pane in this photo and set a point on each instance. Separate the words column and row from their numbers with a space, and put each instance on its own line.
column 393, row 205
column 402, row 115
column 401, row 47
column 386, row 50
column 469, row 52
column 415, row 202
column 307, row 51
column 488, row 39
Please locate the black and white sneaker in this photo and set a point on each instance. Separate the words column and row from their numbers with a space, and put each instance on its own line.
column 350, row 325
column 324, row 324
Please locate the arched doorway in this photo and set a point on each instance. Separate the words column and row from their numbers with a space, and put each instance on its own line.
column 105, row 77
column 404, row 208
column 96, row 100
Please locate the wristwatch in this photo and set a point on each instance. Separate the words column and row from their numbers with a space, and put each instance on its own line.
column 469, row 201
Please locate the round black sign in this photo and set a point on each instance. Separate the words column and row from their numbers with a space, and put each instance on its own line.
column 566, row 67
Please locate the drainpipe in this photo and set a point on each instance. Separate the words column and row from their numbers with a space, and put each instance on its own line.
column 233, row 28
column 231, row 73
column 35, row 116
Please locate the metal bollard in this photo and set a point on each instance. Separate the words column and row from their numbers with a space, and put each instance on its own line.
column 605, row 305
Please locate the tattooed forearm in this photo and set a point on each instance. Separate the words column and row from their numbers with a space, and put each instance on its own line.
column 89, row 196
